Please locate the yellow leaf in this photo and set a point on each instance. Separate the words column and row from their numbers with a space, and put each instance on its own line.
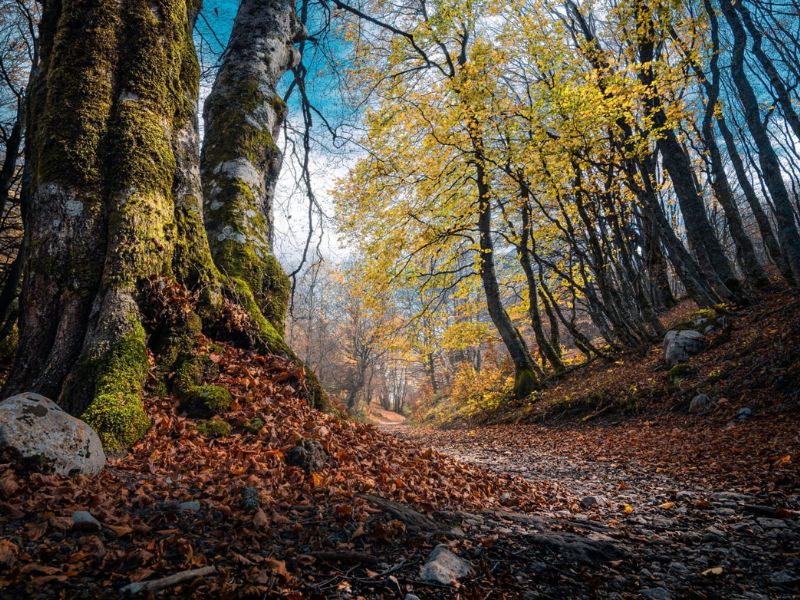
column 785, row 460
column 627, row 509
column 316, row 479
column 713, row 571
column 667, row 505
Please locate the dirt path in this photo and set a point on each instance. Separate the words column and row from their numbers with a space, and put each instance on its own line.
column 677, row 536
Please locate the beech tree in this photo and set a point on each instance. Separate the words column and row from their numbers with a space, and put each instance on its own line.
column 117, row 213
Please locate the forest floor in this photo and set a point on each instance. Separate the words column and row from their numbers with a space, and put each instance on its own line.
column 652, row 503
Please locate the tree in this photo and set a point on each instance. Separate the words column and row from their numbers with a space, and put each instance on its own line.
column 116, row 205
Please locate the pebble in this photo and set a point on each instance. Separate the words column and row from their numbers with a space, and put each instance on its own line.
column 589, row 501
column 771, row 523
column 84, row 521
column 190, row 506
column 250, row 498
column 657, row 593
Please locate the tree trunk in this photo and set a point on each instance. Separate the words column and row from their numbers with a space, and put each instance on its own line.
column 241, row 161
column 677, row 163
column 767, row 158
column 526, row 371
column 115, row 202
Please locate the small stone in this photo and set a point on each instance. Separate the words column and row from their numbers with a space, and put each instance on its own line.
column 190, row 506
column 700, row 404
column 657, row 593
column 785, row 578
column 444, row 567
column 678, row 568
column 589, row 501
column 771, row 523
column 724, row 512
column 84, row 521
column 250, row 498
column 411, row 597
column 744, row 414
column 683, row 496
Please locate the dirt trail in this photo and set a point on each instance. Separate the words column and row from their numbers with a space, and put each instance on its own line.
column 680, row 537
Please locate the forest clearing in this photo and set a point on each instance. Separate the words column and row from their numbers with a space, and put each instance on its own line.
column 412, row 299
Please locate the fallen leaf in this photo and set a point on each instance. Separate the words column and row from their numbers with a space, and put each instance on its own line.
column 713, row 571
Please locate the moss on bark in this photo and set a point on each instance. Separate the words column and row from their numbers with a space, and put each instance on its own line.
column 117, row 412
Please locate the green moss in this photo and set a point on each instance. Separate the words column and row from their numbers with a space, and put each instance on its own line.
column 680, row 371
column 214, row 428
column 8, row 344
column 117, row 412
column 199, row 400
column 253, row 425
column 524, row 383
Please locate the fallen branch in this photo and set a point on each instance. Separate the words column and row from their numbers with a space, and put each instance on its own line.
column 154, row 585
column 345, row 556
column 414, row 520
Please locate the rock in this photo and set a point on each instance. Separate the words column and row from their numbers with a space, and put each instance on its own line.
column 589, row 501
column 678, row 568
column 771, row 523
column 250, row 498
column 410, row 597
column 657, row 593
column 700, row 404
column 190, row 506
column 84, row 521
column 679, row 345
column 444, row 567
column 309, row 455
column 36, row 434
column 785, row 578
column 744, row 414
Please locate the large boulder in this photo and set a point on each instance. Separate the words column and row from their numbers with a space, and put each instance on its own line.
column 36, row 434
column 680, row 344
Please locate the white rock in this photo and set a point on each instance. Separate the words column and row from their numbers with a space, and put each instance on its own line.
column 444, row 567
column 36, row 432
column 679, row 345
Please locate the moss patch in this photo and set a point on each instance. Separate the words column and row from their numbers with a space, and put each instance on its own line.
column 214, row 428
column 199, row 400
column 117, row 412
column 253, row 425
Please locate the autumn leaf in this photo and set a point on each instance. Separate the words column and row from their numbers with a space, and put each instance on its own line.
column 713, row 571
column 260, row 519
column 667, row 505
column 278, row 567
column 627, row 509
column 8, row 552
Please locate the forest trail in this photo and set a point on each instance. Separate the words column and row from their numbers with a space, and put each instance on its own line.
column 683, row 534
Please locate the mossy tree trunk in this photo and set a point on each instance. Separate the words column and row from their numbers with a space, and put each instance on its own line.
column 116, row 201
column 241, row 162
